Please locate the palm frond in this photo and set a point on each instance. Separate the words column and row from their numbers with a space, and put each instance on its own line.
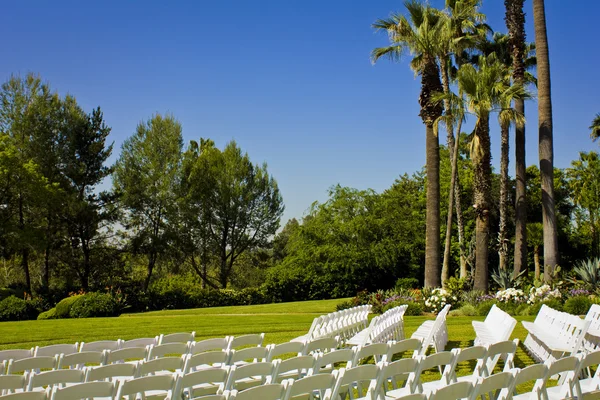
column 595, row 127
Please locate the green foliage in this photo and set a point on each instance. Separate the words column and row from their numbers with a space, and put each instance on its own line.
column 484, row 307
column 344, row 305
column 406, row 283
column 94, row 305
column 578, row 305
column 468, row 310
column 523, row 310
column 553, row 303
column 505, row 278
column 588, row 271
column 414, row 308
column 13, row 308
column 63, row 308
column 50, row 314
column 456, row 286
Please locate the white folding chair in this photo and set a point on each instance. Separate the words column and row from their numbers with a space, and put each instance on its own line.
column 375, row 350
column 320, row 385
column 26, row 396
column 161, row 366
column 216, row 344
column 361, row 379
column 342, row 358
column 565, row 368
column 80, row 360
column 88, row 390
column 588, row 383
column 295, row 368
column 157, row 386
column 322, row 345
column 476, row 354
column 37, row 381
column 111, row 372
column 171, row 349
column 131, row 354
column 56, row 349
column 13, row 383
column 180, row 337
column 445, row 362
column 400, row 347
column 499, row 386
column 506, row 349
column 247, row 376
column 255, row 339
column 288, row 348
column 201, row 383
column 100, row 345
column 455, row 391
column 248, row 355
column 32, row 364
column 6, row 355
column 210, row 359
column 398, row 378
column 140, row 342
column 273, row 391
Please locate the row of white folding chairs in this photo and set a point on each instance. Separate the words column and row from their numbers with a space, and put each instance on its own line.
column 591, row 340
column 345, row 324
column 383, row 328
column 554, row 334
column 434, row 333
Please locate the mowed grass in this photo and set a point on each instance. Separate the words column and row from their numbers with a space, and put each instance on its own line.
column 280, row 322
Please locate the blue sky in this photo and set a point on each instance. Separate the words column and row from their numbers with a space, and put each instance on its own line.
column 290, row 81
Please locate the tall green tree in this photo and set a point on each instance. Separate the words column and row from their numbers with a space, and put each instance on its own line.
column 84, row 153
column 242, row 203
column 486, row 90
column 546, row 143
column 515, row 22
column 146, row 178
column 419, row 34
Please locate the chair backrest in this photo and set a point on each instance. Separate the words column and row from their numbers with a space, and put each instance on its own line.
column 536, row 373
column 162, row 350
column 322, row 384
column 506, row 349
column 55, row 349
column 566, row 368
column 444, row 361
column 255, row 339
column 360, row 378
column 277, row 350
column 260, row 372
column 161, row 364
column 87, row 390
column 32, row 364
column 163, row 383
column 130, row 353
column 140, row 342
column 455, row 391
column 502, row 323
column 100, row 345
column 470, row 354
column 203, row 346
column 401, row 373
column 375, row 350
column 327, row 361
column 274, row 391
column 295, row 368
column 413, row 345
column 180, row 337
column 110, row 372
column 206, row 360
column 79, row 360
column 10, row 383
column 323, row 345
column 26, row 396
column 254, row 354
column 51, row 378
column 6, row 355
column 201, row 383
column 497, row 386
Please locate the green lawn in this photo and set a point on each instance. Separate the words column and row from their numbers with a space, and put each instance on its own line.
column 280, row 322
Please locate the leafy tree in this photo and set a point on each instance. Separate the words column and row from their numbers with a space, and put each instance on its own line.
column 420, row 35
column 584, row 180
column 595, row 127
column 242, row 203
column 146, row 177
column 546, row 150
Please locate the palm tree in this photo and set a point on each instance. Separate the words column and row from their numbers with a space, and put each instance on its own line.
column 515, row 22
column 487, row 91
column 419, row 35
column 462, row 27
column 546, row 151
column 595, row 127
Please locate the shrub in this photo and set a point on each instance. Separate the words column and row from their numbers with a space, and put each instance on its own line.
column 484, row 307
column 94, row 305
column 578, row 305
column 406, row 283
column 508, row 307
column 344, row 305
column 523, row 310
column 13, row 308
column 63, row 308
column 50, row 314
column 456, row 285
column 468, row 310
column 414, row 309
column 553, row 303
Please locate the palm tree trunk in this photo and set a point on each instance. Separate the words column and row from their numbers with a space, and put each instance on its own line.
column 430, row 112
column 460, row 224
column 451, row 146
column 515, row 22
column 502, row 245
column 536, row 261
column 521, row 194
column 546, row 151
column 482, row 188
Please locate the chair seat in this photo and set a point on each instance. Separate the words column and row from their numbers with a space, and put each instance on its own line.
column 423, row 330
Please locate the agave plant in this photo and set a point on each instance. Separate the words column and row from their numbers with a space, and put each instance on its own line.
column 588, row 271
column 506, row 279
